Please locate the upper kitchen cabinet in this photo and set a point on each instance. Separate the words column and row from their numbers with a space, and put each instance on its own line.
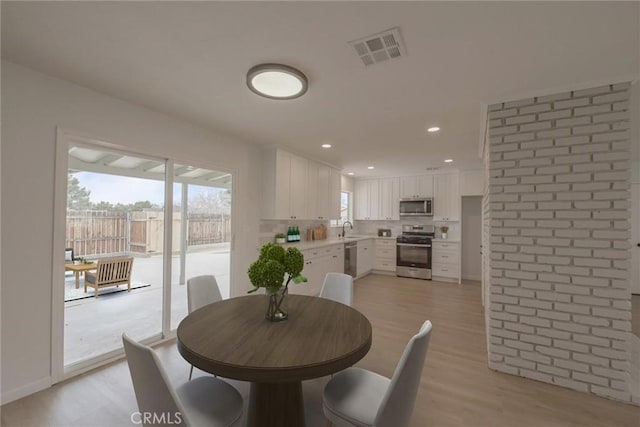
column 389, row 199
column 318, row 202
column 472, row 183
column 297, row 188
column 335, row 191
column 367, row 199
column 416, row 186
column 446, row 198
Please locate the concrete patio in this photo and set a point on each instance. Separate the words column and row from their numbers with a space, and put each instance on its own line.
column 93, row 326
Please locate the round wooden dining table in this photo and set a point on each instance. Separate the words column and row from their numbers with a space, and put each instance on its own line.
column 232, row 339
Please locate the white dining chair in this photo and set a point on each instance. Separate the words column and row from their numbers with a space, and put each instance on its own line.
column 201, row 291
column 357, row 397
column 338, row 287
column 203, row 401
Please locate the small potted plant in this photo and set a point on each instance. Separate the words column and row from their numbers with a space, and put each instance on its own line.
column 444, row 229
column 270, row 270
column 280, row 238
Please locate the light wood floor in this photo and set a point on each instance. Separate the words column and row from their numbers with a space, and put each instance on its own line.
column 457, row 388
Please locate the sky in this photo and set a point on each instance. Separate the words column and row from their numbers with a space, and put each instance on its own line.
column 119, row 189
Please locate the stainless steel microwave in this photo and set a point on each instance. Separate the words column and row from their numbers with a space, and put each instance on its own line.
column 416, row 207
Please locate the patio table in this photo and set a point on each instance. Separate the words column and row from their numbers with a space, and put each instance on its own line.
column 79, row 269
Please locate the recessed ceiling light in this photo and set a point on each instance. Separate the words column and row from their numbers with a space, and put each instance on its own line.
column 370, row 167
column 433, row 129
column 448, row 160
column 326, row 145
column 277, row 81
column 350, row 173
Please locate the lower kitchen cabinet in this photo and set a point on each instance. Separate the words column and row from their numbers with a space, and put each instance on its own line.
column 365, row 257
column 385, row 255
column 445, row 263
column 317, row 263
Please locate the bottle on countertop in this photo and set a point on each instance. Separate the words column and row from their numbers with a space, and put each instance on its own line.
column 289, row 234
column 297, row 234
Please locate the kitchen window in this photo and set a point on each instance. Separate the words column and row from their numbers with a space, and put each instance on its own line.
column 346, row 210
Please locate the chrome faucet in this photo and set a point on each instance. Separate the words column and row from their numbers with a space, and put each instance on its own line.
column 345, row 223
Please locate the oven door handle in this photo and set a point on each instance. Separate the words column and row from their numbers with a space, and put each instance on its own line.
column 413, row 244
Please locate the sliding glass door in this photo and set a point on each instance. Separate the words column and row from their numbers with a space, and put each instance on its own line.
column 114, row 251
column 201, row 232
column 136, row 228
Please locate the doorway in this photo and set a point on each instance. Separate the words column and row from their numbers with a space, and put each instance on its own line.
column 201, row 232
column 114, row 231
column 471, row 238
column 113, row 204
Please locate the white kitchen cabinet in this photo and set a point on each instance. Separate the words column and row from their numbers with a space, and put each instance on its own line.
column 298, row 188
column 312, row 182
column 385, row 255
column 416, row 186
column 284, row 186
column 318, row 178
column 337, row 263
column 365, row 257
column 367, row 195
column 445, row 263
column 317, row 263
column 389, row 199
column 335, row 191
column 298, row 194
column 446, row 198
column 472, row 183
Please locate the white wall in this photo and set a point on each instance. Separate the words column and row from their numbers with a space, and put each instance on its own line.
column 471, row 238
column 33, row 105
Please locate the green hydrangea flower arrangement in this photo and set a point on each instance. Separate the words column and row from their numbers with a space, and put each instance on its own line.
column 269, row 270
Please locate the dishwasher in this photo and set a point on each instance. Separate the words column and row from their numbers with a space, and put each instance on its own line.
column 351, row 258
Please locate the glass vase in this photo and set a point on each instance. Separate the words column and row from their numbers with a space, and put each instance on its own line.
column 277, row 305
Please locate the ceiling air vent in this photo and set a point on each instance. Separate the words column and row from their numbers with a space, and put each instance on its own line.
column 380, row 47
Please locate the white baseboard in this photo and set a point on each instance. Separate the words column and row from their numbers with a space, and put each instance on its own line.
column 26, row 390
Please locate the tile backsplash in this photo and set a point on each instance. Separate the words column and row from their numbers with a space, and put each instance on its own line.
column 371, row 227
column 269, row 228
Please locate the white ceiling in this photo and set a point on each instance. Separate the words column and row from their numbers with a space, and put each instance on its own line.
column 189, row 59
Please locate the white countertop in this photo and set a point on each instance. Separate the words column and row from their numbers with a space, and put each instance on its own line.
column 446, row 240
column 313, row 244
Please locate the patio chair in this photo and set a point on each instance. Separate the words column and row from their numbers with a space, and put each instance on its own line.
column 110, row 272
column 68, row 255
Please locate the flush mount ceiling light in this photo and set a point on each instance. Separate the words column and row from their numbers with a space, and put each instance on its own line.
column 326, row 145
column 276, row 81
column 433, row 129
column 350, row 173
column 370, row 167
column 448, row 160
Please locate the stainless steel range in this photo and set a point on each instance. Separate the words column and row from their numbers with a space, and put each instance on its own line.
column 413, row 254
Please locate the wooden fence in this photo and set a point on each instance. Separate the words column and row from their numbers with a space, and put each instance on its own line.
column 92, row 233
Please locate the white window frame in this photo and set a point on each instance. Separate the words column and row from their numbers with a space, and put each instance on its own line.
column 338, row 222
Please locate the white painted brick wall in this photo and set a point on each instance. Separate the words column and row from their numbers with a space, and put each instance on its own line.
column 559, row 308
